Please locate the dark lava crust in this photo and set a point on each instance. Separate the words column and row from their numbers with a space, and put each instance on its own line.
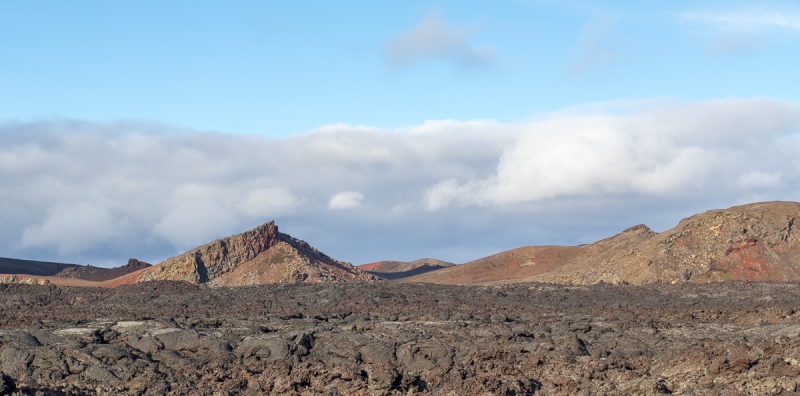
column 391, row 339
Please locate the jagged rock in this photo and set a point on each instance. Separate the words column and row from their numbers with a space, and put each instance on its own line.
column 15, row 361
column 6, row 384
column 135, row 265
column 686, row 338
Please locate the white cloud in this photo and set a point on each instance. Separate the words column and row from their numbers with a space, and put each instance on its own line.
column 80, row 189
column 345, row 200
column 744, row 30
column 433, row 38
column 268, row 202
column 73, row 228
column 668, row 151
column 194, row 223
column 747, row 20
column 755, row 180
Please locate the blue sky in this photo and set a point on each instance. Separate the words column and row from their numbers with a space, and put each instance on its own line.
column 379, row 130
column 277, row 68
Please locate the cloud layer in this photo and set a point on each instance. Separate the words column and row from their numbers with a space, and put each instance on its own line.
column 85, row 191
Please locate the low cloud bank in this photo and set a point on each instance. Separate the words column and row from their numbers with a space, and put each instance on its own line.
column 102, row 192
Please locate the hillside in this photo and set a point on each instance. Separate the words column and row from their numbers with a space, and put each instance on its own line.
column 750, row 242
column 393, row 270
column 31, row 268
column 261, row 255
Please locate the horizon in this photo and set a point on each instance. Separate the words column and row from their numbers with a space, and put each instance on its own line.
column 374, row 132
column 428, row 258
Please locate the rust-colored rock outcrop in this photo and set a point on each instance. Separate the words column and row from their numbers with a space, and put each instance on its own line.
column 750, row 242
column 261, row 255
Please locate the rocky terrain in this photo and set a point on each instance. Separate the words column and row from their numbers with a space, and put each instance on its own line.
column 751, row 242
column 392, row 270
column 382, row 338
column 300, row 322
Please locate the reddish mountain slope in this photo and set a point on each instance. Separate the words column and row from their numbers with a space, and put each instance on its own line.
column 261, row 255
column 750, row 242
column 403, row 266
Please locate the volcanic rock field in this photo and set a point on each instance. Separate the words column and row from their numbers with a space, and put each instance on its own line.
column 381, row 338
column 709, row 307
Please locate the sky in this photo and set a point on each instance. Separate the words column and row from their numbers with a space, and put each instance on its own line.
column 386, row 130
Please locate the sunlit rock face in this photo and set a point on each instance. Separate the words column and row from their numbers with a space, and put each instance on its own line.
column 261, row 255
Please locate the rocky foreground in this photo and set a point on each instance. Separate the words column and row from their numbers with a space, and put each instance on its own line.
column 379, row 338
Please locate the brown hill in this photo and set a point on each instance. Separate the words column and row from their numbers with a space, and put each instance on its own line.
column 29, row 268
column 392, row 270
column 261, row 255
column 97, row 274
column 750, row 242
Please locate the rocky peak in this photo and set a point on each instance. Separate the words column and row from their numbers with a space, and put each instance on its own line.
column 261, row 255
column 136, row 265
column 640, row 229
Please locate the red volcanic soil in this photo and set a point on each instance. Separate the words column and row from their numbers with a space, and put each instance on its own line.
column 370, row 266
column 750, row 242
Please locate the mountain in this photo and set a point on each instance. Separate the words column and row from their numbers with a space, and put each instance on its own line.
column 73, row 271
column 97, row 274
column 755, row 242
column 393, row 270
column 261, row 255
column 31, row 267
